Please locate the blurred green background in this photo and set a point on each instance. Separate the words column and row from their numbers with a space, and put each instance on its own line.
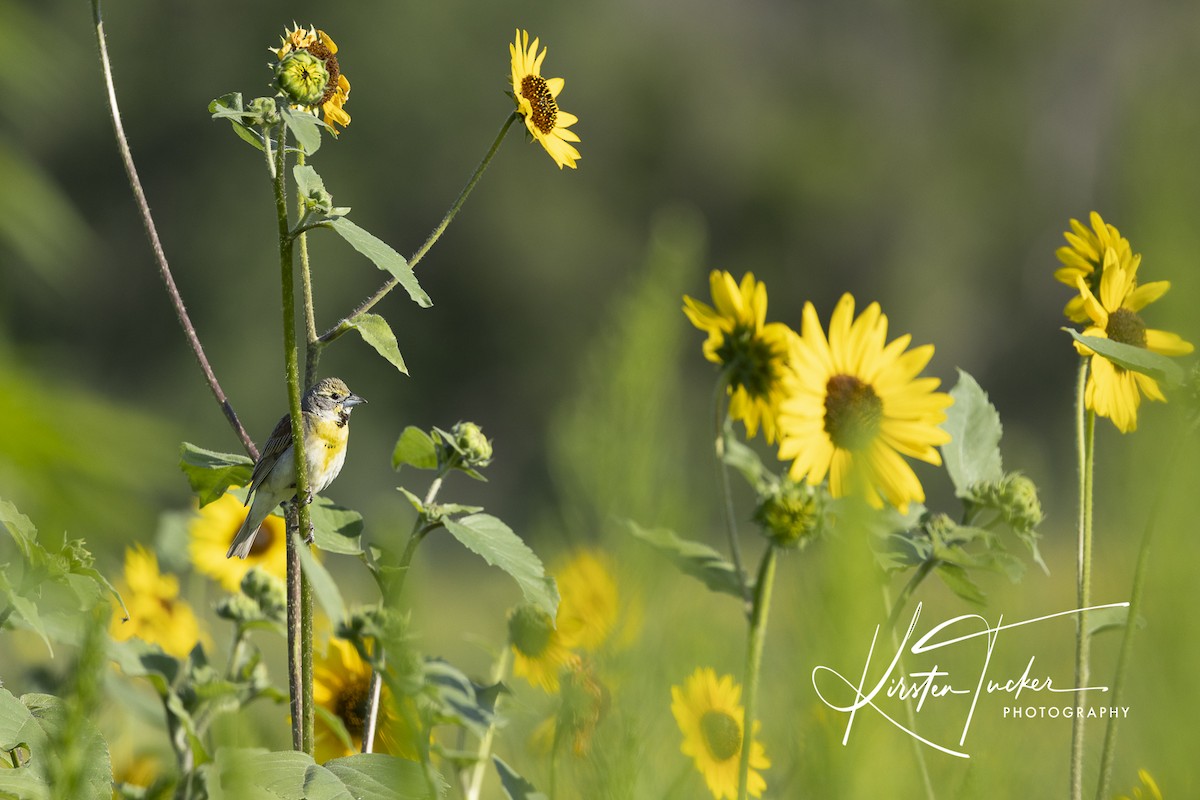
column 927, row 155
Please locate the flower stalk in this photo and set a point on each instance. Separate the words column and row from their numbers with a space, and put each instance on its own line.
column 754, row 651
column 1086, row 437
column 735, row 550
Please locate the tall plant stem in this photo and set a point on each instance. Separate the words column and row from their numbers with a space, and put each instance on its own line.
column 910, row 713
column 300, row 692
column 366, row 305
column 499, row 673
column 754, row 651
column 160, row 256
column 1086, row 434
column 735, row 549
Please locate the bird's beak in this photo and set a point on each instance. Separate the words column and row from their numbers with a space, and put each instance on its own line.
column 352, row 400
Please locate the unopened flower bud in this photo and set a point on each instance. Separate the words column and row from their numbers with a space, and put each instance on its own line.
column 470, row 442
column 790, row 515
column 302, row 78
column 529, row 629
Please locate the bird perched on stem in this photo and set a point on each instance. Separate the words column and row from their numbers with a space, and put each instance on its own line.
column 325, row 409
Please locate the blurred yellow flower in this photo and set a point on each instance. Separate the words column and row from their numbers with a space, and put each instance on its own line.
column 337, row 90
column 710, row 715
column 1147, row 791
column 854, row 406
column 341, row 686
column 1083, row 257
column 539, row 652
column 588, row 605
column 537, row 103
column 1112, row 391
column 156, row 614
column 214, row 527
column 751, row 352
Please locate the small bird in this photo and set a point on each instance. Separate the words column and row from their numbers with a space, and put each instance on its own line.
column 325, row 409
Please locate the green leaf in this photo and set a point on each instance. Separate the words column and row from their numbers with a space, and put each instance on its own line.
column 305, row 127
column 692, row 558
column 456, row 696
column 1110, row 619
column 229, row 106
column 376, row 332
column 19, row 526
column 80, row 739
column 210, row 473
column 415, row 447
column 973, row 453
column 374, row 776
column 254, row 772
column 307, row 180
column 336, row 529
column 1136, row 359
column 323, row 586
column 742, row 458
column 383, row 256
column 321, row 784
column 516, row 787
column 489, row 537
column 417, row 503
column 15, row 720
column 956, row 579
column 23, row 784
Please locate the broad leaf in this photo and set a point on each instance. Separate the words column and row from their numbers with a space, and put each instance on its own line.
column 415, row 447
column 516, row 787
column 489, row 537
column 321, row 784
column 1108, row 619
column 307, row 180
column 305, row 127
column 1130, row 357
column 336, row 529
column 957, row 580
column 456, row 696
column 383, row 256
column 374, row 776
column 973, row 453
column 229, row 106
column 254, row 772
column 742, row 458
column 693, row 558
column 68, row 737
column 376, row 332
column 211, row 473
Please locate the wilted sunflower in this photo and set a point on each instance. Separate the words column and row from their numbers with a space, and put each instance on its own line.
column 214, row 527
column 710, row 715
column 156, row 614
column 299, row 82
column 537, row 102
column 1112, row 391
column 855, row 406
column 751, row 351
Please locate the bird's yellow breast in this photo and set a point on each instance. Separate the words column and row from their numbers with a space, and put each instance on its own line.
column 326, row 445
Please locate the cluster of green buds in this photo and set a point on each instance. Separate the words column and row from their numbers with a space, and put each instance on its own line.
column 1015, row 497
column 790, row 514
column 263, row 598
column 464, row 446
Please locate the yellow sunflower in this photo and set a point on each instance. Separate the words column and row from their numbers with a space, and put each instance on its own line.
column 1083, row 257
column 1150, row 787
column 214, row 527
column 1112, row 391
column 710, row 714
column 587, row 610
column 336, row 90
column 537, row 102
column 342, row 685
column 156, row 614
column 752, row 352
column 539, row 652
column 855, row 405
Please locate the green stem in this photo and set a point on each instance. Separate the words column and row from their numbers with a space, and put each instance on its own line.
column 910, row 712
column 1086, row 433
column 499, row 673
column 906, row 593
column 754, row 651
column 735, row 550
column 301, row 692
column 340, row 328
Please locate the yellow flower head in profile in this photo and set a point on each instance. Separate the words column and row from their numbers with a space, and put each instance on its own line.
column 156, row 614
column 342, row 686
column 1083, row 257
column 1112, row 391
column 855, row 406
column 1147, row 791
column 537, row 102
column 752, row 352
column 710, row 715
column 313, row 79
column 588, row 605
column 213, row 528
column 539, row 652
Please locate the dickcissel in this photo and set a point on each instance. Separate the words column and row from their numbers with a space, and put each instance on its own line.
column 326, row 411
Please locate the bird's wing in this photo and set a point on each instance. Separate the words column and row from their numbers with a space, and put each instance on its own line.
column 280, row 441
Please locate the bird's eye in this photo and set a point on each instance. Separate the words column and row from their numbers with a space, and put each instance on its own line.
column 334, row 396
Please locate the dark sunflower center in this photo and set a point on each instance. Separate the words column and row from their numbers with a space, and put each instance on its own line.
column 331, row 66
column 263, row 541
column 545, row 110
column 722, row 735
column 1126, row 327
column 350, row 705
column 853, row 412
column 750, row 361
column 529, row 630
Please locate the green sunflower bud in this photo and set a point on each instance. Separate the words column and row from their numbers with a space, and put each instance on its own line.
column 472, row 445
column 302, row 78
column 529, row 629
column 265, row 111
column 238, row 608
column 1016, row 498
column 790, row 515
column 267, row 592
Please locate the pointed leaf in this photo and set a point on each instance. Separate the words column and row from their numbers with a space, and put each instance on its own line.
column 415, row 447
column 383, row 256
column 957, row 580
column 693, row 558
column 489, row 537
column 210, row 473
column 336, row 529
column 516, row 787
column 973, row 453
column 305, row 127
column 1108, row 619
column 376, row 332
column 230, row 107
column 374, row 776
column 1130, row 357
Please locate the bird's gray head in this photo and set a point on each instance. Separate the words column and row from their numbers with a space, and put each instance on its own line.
column 331, row 394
